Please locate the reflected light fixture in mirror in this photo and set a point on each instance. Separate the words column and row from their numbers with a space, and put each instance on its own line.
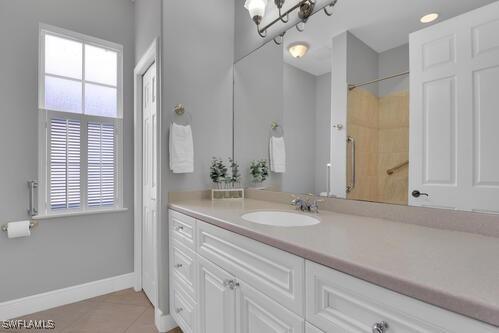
column 429, row 18
column 256, row 9
column 298, row 50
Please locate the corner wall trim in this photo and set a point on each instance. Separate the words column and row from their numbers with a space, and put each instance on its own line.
column 51, row 299
column 164, row 323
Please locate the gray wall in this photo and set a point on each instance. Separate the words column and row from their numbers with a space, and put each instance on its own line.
column 198, row 46
column 362, row 63
column 322, row 130
column 299, row 126
column 147, row 16
column 197, row 63
column 392, row 62
column 365, row 64
column 258, row 101
column 66, row 251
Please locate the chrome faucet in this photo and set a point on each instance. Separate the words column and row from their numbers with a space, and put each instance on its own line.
column 306, row 205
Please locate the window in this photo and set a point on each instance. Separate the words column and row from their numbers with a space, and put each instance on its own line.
column 80, row 102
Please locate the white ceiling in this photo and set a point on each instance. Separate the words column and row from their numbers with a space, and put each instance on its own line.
column 382, row 24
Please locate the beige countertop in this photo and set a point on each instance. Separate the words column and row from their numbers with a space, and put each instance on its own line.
column 454, row 270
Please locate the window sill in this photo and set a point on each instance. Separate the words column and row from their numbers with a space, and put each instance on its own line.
column 71, row 214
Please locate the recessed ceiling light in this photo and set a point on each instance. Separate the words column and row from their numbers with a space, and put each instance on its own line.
column 298, row 50
column 429, row 18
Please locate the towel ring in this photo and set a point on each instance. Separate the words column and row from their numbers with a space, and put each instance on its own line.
column 276, row 130
column 181, row 117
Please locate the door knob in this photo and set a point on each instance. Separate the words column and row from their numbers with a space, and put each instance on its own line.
column 232, row 284
column 380, row 327
column 417, row 194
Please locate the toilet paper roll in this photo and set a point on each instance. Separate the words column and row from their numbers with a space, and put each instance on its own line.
column 18, row 229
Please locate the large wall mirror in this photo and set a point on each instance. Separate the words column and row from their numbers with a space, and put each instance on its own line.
column 376, row 108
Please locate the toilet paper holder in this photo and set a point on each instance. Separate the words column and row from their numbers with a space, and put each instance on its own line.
column 32, row 224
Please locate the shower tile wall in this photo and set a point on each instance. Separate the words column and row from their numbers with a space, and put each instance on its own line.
column 362, row 123
column 380, row 127
column 393, row 148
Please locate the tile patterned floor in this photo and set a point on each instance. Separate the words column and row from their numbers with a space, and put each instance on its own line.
column 121, row 312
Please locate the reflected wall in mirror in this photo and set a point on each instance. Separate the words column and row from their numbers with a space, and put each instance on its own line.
column 271, row 89
column 402, row 112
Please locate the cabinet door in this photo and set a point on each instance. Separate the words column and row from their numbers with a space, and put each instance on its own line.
column 311, row 329
column 257, row 313
column 217, row 297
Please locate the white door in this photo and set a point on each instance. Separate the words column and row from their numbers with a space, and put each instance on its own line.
column 257, row 313
column 217, row 297
column 339, row 106
column 149, row 181
column 454, row 115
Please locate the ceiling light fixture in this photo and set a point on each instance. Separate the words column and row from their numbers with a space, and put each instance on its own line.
column 298, row 49
column 305, row 8
column 429, row 18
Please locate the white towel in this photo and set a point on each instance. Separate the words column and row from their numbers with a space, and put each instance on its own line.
column 181, row 149
column 277, row 155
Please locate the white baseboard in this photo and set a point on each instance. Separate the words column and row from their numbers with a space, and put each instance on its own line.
column 164, row 323
column 40, row 302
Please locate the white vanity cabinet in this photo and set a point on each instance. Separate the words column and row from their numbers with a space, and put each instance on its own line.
column 337, row 302
column 217, row 299
column 221, row 282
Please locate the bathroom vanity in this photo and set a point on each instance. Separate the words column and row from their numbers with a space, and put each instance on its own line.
column 345, row 274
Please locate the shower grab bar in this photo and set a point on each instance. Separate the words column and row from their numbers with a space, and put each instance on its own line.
column 396, row 168
column 351, row 186
column 32, row 185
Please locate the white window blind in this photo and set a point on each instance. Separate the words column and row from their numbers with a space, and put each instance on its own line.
column 64, row 164
column 101, row 165
column 80, row 98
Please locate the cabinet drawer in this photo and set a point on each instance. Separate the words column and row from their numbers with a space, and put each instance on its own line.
column 278, row 274
column 338, row 302
column 183, row 308
column 183, row 266
column 182, row 228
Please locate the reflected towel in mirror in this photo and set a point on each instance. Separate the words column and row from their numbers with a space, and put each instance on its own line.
column 277, row 155
column 181, row 149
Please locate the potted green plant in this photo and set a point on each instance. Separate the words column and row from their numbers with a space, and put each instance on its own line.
column 235, row 178
column 259, row 171
column 218, row 172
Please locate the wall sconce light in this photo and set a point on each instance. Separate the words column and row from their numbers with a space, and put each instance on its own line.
column 305, row 8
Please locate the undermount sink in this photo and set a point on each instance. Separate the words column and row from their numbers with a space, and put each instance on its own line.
column 280, row 219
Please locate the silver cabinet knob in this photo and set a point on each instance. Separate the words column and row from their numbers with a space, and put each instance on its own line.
column 179, row 227
column 380, row 327
column 231, row 284
column 178, row 310
column 178, row 266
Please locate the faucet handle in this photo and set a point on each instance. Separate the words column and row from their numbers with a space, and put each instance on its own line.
column 314, row 206
column 295, row 200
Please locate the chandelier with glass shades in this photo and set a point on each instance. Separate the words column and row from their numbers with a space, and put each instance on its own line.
column 305, row 8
